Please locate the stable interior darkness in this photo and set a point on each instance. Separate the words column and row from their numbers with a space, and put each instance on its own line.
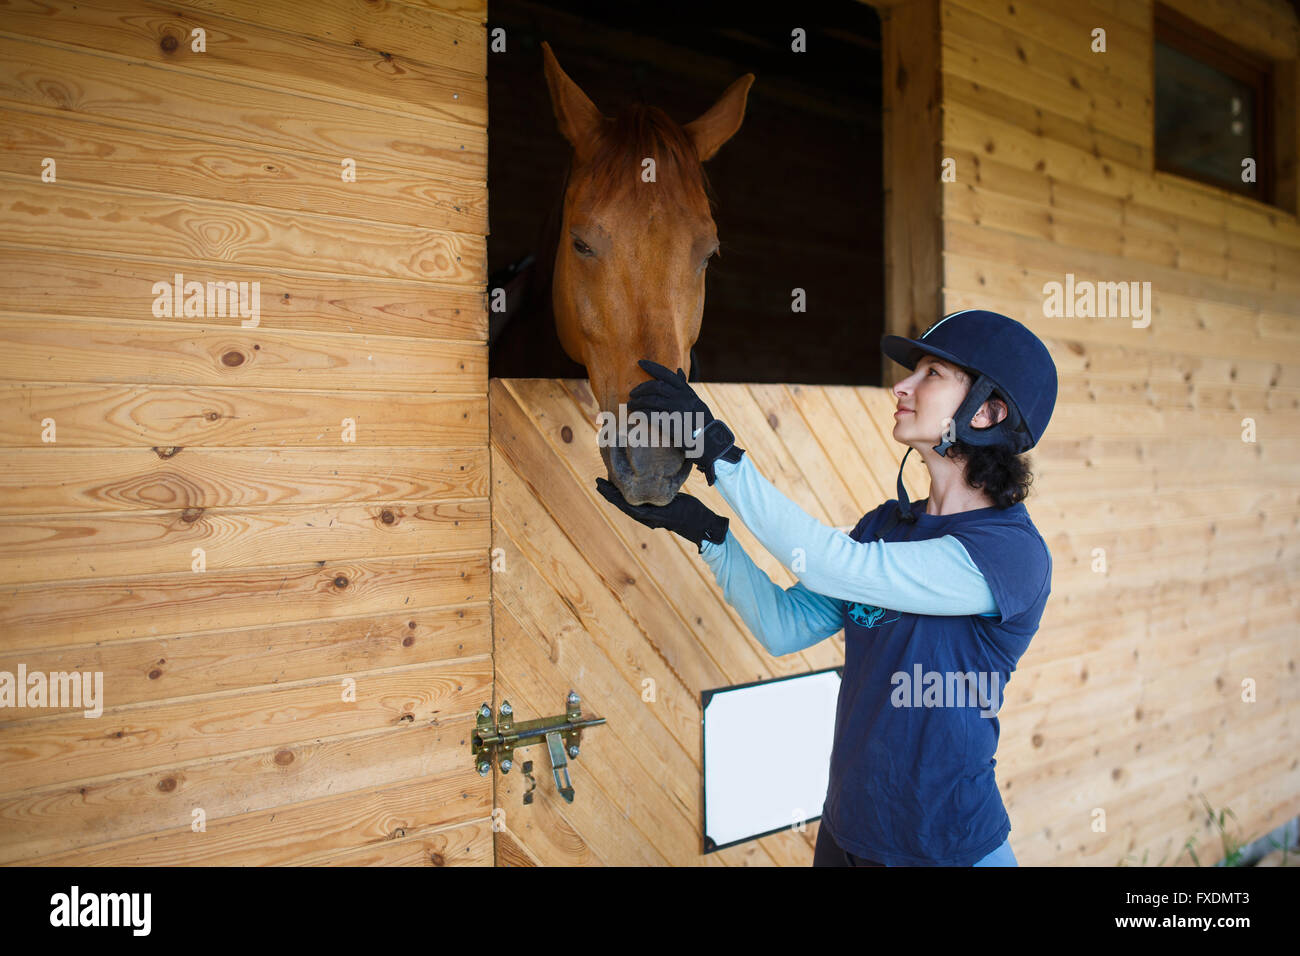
column 798, row 189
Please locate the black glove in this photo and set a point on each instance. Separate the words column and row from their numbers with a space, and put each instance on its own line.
column 685, row 515
column 670, row 392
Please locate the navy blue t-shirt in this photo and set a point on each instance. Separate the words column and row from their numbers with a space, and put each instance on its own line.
column 911, row 776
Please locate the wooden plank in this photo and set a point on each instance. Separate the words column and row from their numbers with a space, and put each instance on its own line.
column 802, row 442
column 251, row 54
column 201, row 233
column 304, row 832
column 125, row 91
column 475, row 10
column 913, row 124
column 43, row 616
column 1104, row 348
column 986, row 51
column 1021, row 251
column 194, row 664
column 511, row 852
column 84, row 284
column 874, row 483
column 1266, row 28
column 446, row 33
column 61, row 749
column 35, row 348
column 1143, row 812
column 167, row 416
column 124, row 157
column 994, row 132
column 469, row 844
column 971, row 102
column 52, row 480
column 52, row 820
column 1208, row 254
column 1061, row 31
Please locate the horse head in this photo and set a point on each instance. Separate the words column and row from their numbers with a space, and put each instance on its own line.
column 634, row 244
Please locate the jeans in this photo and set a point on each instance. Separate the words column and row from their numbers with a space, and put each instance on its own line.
column 830, row 853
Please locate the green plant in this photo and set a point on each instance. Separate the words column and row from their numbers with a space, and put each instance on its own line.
column 1232, row 847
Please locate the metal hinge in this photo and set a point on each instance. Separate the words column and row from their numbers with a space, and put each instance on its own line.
column 561, row 735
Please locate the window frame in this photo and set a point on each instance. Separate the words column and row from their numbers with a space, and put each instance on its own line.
column 1189, row 37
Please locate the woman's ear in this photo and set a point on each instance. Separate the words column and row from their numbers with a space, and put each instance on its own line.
column 990, row 413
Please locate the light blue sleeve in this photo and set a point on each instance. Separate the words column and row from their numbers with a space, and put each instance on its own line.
column 935, row 576
column 783, row 620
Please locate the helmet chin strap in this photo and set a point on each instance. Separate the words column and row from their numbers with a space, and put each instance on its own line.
column 904, row 512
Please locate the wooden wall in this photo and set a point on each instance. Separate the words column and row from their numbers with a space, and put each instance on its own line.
column 1130, row 697
column 328, row 562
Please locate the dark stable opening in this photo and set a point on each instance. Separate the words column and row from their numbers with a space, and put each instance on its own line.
column 798, row 190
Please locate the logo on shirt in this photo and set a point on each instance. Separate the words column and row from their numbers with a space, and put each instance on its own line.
column 868, row 615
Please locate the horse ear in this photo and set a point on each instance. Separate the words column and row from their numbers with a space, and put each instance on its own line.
column 577, row 117
column 722, row 120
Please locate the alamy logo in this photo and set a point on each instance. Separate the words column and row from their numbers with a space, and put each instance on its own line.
column 102, row 909
column 57, row 689
column 213, row 300
column 946, row 689
column 641, row 430
column 1098, row 300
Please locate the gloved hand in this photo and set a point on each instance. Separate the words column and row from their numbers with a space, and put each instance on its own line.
column 685, row 515
column 670, row 392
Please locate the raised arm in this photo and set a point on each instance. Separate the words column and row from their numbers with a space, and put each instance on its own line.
column 783, row 620
column 936, row 576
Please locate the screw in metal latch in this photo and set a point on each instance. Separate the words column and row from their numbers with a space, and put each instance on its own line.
column 506, row 765
column 483, row 768
column 573, row 750
column 506, row 708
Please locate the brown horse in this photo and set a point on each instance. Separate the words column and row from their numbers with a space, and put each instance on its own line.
column 636, row 236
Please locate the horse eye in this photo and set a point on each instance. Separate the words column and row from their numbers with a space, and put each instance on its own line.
column 581, row 248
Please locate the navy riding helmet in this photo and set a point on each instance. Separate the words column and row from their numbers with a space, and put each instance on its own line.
column 1001, row 355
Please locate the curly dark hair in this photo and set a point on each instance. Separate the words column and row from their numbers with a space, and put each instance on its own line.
column 1003, row 475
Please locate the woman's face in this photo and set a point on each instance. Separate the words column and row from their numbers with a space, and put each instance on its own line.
column 929, row 397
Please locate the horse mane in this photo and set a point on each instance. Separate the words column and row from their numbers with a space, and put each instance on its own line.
column 637, row 132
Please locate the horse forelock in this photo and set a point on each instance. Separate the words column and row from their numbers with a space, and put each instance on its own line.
column 639, row 132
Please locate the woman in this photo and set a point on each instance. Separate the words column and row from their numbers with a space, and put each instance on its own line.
column 936, row 613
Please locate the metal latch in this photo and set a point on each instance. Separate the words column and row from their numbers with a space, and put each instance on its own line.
column 561, row 734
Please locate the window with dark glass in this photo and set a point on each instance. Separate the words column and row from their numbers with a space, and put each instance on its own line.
column 1212, row 108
